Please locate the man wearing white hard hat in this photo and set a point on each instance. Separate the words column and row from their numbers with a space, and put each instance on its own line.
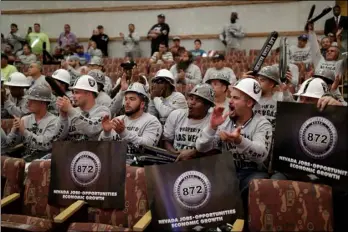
column 63, row 80
column 245, row 135
column 16, row 102
column 183, row 126
column 137, row 127
column 164, row 98
column 96, row 63
column 84, row 121
column 312, row 90
column 102, row 99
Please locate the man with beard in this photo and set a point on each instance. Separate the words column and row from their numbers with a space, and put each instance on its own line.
column 136, row 127
column 219, row 68
column 16, row 103
column 245, row 135
column 37, row 129
column 220, row 84
column 158, row 33
column 164, row 98
column 85, row 121
column 102, row 99
column 63, row 79
column 232, row 33
column 185, row 72
column 184, row 125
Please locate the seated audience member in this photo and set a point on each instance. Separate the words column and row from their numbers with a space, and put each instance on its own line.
column 102, row 98
column 300, row 53
column 219, row 67
column 96, row 63
column 162, row 56
column 8, row 50
column 16, row 102
column 176, row 46
column 164, row 98
column 35, row 75
column 72, row 65
column 58, row 54
column 197, row 51
column 185, row 72
column 136, row 127
column 85, row 58
column 183, row 126
column 36, row 130
column 93, row 50
column 27, row 57
column 220, row 83
column 324, row 44
column 68, row 50
column 63, row 79
column 6, row 68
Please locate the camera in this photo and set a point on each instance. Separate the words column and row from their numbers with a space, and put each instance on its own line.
column 128, row 65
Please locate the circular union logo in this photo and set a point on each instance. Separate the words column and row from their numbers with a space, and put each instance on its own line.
column 85, row 168
column 318, row 137
column 192, row 190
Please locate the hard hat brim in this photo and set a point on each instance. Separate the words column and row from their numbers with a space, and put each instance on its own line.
column 14, row 85
column 211, row 102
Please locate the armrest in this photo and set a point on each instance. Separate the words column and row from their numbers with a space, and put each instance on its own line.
column 73, row 208
column 238, row 225
column 143, row 222
column 9, row 199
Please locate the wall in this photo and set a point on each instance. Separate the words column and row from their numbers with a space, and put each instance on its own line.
column 280, row 16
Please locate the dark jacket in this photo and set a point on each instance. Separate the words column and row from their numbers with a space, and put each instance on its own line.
column 331, row 27
column 102, row 42
column 163, row 37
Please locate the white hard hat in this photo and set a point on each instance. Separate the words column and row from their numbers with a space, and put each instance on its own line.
column 313, row 87
column 250, row 87
column 166, row 74
column 17, row 79
column 62, row 75
column 86, row 82
column 138, row 88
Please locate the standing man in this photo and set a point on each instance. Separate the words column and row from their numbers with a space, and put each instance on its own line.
column 158, row 33
column 67, row 37
column 101, row 40
column 338, row 21
column 14, row 38
column 232, row 33
column 131, row 42
column 37, row 40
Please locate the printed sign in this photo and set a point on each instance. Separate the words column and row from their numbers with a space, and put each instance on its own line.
column 91, row 171
column 188, row 195
column 311, row 142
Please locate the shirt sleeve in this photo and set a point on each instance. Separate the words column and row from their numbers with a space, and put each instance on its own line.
column 165, row 109
column 314, row 48
column 62, row 129
column 207, row 140
column 239, row 33
column 117, row 102
column 169, row 126
column 14, row 110
column 197, row 76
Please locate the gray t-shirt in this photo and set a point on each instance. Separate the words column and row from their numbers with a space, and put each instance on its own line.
column 193, row 74
column 16, row 107
column 297, row 54
column 103, row 99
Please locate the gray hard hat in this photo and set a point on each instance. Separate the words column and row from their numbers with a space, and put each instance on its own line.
column 98, row 75
column 204, row 91
column 220, row 77
column 326, row 74
column 40, row 93
column 271, row 72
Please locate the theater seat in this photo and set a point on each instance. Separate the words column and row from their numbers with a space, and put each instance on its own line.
column 12, row 173
column 285, row 205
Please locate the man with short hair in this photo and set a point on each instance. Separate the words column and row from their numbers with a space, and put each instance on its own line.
column 37, row 40
column 332, row 25
column 6, row 69
column 84, row 56
column 131, row 42
column 162, row 56
column 197, row 51
column 102, row 99
column 232, row 33
column 14, row 38
column 158, row 33
column 101, row 40
column 35, row 75
column 176, row 46
column 220, row 68
column 220, row 83
column 136, row 127
column 183, row 126
column 300, row 53
column 67, row 37
column 72, row 65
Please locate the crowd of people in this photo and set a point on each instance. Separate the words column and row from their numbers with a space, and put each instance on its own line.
column 189, row 114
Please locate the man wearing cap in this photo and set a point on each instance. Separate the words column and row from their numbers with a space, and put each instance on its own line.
column 300, row 53
column 158, row 33
column 84, row 121
column 245, row 135
column 137, row 127
column 220, row 83
column 232, row 33
column 183, row 126
column 102, row 99
column 162, row 56
column 164, row 98
column 6, row 69
column 97, row 64
column 63, row 79
column 36, row 130
column 16, row 103
column 101, row 40
column 176, row 46
column 220, row 68
column 84, row 56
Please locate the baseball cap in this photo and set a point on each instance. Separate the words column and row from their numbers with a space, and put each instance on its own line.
column 161, row 16
column 218, row 57
column 303, row 37
column 176, row 38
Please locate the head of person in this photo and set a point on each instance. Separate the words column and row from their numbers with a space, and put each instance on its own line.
column 268, row 78
column 327, row 75
column 95, row 63
column 85, row 90
column 161, row 18
column 131, row 27
column 325, row 43
column 162, row 47
column 58, row 50
column 100, row 29
column 67, row 28
column 35, row 69
column 244, row 95
column 14, row 27
column 73, row 61
column 219, row 83
column 332, row 53
column 26, row 49
column 62, row 78
column 37, row 28
column 234, row 17
column 200, row 100
column 95, row 32
column 302, row 41
column 136, row 99
column 39, row 97
column 176, row 41
column 198, row 44
column 93, row 44
column 80, row 49
column 164, row 79
column 336, row 10
column 17, row 83
column 185, row 59
column 218, row 61
column 8, row 49
column 311, row 90
column 4, row 60
column 99, row 76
